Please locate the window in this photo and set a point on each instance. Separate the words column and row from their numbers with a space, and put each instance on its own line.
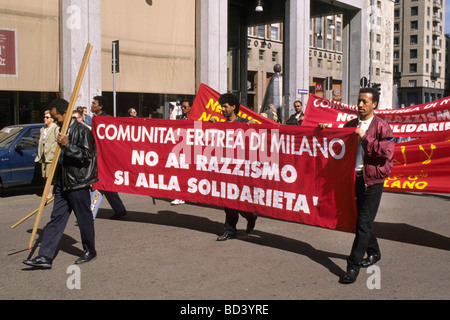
column 330, row 44
column 329, row 23
column 261, row 54
column 329, row 65
column 413, row 67
column 396, row 41
column 412, row 83
column 396, row 54
column 413, row 54
column 338, row 46
column 414, row 11
column 414, row 25
column 274, row 56
column 378, row 36
column 261, row 31
column 338, row 29
column 274, row 33
column 413, row 39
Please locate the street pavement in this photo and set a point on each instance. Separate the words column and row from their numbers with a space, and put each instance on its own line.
column 165, row 252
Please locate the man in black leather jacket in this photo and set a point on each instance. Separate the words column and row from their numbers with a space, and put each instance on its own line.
column 77, row 172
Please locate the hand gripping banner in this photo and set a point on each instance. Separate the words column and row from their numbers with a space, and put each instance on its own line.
column 302, row 175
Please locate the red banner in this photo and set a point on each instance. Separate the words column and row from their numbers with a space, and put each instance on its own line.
column 296, row 174
column 414, row 121
column 422, row 165
column 206, row 105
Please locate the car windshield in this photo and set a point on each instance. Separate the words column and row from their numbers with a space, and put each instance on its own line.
column 8, row 135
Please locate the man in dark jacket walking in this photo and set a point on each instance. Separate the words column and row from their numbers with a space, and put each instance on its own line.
column 374, row 163
column 76, row 174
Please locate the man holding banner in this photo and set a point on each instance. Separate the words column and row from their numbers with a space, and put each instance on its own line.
column 374, row 163
column 98, row 108
column 230, row 108
column 78, row 172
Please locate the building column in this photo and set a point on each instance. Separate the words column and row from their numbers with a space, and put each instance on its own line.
column 296, row 55
column 355, row 53
column 212, row 44
column 80, row 24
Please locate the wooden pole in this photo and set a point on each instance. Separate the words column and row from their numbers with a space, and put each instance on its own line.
column 65, row 126
column 31, row 214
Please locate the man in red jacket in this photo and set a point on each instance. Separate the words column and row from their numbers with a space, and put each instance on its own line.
column 374, row 163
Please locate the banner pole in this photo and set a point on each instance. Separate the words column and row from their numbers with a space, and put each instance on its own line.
column 63, row 130
column 31, row 214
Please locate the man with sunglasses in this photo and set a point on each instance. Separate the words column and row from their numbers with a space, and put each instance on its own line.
column 185, row 108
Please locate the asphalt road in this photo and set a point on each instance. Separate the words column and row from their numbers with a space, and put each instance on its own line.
column 165, row 252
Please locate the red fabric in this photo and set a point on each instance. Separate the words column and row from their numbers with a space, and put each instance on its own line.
column 309, row 180
column 414, row 121
column 206, row 105
column 422, row 165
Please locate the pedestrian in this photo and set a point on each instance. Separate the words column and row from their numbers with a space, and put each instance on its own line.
column 76, row 174
column 47, row 147
column 374, row 164
column 78, row 115
column 98, row 108
column 230, row 109
column 86, row 118
column 271, row 113
column 186, row 106
column 132, row 112
column 172, row 115
column 297, row 117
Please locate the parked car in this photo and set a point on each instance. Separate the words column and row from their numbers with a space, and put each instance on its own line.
column 18, row 149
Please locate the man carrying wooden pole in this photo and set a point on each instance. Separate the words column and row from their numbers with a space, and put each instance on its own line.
column 77, row 172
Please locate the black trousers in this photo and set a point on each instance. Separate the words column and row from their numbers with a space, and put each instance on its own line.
column 232, row 218
column 367, row 200
column 65, row 202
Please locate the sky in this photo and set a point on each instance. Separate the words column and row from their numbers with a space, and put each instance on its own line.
column 447, row 16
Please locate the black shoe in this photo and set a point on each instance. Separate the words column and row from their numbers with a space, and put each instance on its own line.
column 370, row 260
column 39, row 262
column 119, row 215
column 86, row 257
column 350, row 276
column 251, row 224
column 227, row 235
